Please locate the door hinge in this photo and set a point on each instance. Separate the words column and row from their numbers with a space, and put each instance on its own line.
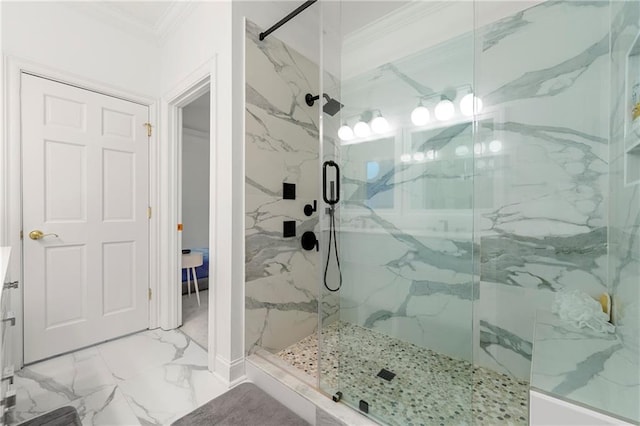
column 21, row 235
column 149, row 212
column 148, row 126
column 150, row 292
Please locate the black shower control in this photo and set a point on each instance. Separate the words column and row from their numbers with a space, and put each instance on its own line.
column 288, row 228
column 309, row 241
column 310, row 209
column 288, row 191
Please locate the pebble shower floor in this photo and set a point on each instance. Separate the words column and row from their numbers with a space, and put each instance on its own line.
column 428, row 389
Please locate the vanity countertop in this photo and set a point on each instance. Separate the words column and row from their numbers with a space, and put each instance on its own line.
column 583, row 366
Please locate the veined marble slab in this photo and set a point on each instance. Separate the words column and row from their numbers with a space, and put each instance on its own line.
column 596, row 369
column 281, row 145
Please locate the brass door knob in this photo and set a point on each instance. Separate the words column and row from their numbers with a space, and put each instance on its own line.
column 37, row 234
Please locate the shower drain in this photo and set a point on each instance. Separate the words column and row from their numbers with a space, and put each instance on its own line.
column 386, row 374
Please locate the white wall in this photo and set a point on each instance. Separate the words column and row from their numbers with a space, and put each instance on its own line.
column 195, row 188
column 56, row 34
column 206, row 35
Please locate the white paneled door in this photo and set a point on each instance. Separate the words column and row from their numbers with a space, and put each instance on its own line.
column 85, row 188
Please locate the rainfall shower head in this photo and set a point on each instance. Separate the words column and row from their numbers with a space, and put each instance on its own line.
column 331, row 107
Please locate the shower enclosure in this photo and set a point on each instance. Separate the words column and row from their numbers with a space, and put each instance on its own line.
column 400, row 327
column 461, row 163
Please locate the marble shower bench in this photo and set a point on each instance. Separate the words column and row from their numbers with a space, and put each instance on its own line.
column 589, row 369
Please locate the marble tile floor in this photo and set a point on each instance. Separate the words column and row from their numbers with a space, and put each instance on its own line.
column 149, row 378
column 428, row 389
column 195, row 319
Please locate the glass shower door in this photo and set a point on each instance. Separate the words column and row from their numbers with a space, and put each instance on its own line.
column 396, row 297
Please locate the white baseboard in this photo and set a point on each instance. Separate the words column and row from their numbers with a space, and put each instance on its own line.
column 232, row 372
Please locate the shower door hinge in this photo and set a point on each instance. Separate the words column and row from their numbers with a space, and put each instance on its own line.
column 150, row 292
column 148, row 126
column 21, row 235
column 149, row 212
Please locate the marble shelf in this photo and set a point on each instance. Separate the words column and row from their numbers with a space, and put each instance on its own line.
column 592, row 369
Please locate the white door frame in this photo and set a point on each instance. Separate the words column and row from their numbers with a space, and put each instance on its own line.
column 11, row 192
column 226, row 359
column 187, row 91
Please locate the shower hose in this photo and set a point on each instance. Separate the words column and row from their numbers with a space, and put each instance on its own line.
column 334, row 237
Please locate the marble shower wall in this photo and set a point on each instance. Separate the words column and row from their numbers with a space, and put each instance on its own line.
column 409, row 237
column 281, row 145
column 406, row 222
column 543, row 75
column 624, row 221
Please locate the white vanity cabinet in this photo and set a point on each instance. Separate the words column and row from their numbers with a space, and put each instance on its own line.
column 7, row 391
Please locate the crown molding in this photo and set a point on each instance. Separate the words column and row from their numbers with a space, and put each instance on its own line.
column 171, row 19
column 113, row 16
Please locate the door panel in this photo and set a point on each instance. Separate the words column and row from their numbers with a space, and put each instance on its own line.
column 119, row 195
column 85, row 179
column 65, row 279
column 65, row 182
column 119, row 283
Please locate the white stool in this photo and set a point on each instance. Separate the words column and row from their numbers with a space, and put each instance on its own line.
column 190, row 261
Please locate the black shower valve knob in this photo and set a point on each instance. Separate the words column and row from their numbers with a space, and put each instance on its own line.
column 309, row 209
column 309, row 241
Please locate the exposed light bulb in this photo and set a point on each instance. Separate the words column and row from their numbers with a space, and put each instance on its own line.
column 467, row 104
column 420, row 116
column 444, row 110
column 361, row 129
column 380, row 125
column 418, row 156
column 405, row 158
column 345, row 133
column 495, row 146
column 479, row 148
column 462, row 150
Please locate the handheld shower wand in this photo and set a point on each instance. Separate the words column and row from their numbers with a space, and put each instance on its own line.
column 332, row 199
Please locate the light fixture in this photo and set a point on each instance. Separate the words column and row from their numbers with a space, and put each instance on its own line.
column 467, row 104
column 479, row 148
column 361, row 129
column 495, row 146
column 444, row 109
column 405, row 158
column 432, row 154
column 345, row 132
column 418, row 156
column 420, row 115
column 462, row 150
column 380, row 124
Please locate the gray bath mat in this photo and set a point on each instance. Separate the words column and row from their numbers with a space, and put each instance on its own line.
column 244, row 405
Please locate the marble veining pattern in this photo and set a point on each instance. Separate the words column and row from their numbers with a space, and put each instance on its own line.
column 150, row 378
column 429, row 388
column 581, row 365
column 281, row 145
column 624, row 241
column 540, row 223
